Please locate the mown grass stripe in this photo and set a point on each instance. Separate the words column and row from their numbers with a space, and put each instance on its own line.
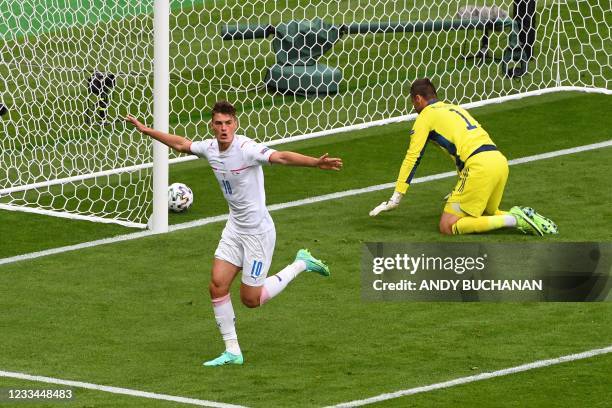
column 290, row 204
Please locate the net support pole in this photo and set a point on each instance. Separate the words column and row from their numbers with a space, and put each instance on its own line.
column 161, row 93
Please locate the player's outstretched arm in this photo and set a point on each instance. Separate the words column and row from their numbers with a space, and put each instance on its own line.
column 178, row 143
column 296, row 159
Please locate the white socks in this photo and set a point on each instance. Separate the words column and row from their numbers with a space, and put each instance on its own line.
column 225, row 317
column 273, row 285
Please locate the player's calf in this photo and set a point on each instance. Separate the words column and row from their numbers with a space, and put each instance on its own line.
column 250, row 295
column 250, row 303
column 484, row 223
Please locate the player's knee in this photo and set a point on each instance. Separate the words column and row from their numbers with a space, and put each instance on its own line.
column 217, row 289
column 250, row 301
column 447, row 220
column 446, row 227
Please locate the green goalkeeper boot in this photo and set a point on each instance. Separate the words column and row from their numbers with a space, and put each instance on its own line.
column 312, row 264
column 525, row 224
column 546, row 225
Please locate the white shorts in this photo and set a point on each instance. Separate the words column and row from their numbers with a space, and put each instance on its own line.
column 253, row 253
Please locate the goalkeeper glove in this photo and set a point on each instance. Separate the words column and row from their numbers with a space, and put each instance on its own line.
column 387, row 205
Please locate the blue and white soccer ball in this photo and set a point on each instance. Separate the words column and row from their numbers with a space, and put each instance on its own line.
column 180, row 197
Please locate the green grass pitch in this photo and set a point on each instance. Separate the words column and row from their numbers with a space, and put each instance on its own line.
column 137, row 315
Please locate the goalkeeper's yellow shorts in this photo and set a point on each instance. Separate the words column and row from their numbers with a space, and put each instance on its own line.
column 480, row 187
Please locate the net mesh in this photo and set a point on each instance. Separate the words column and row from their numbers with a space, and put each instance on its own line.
column 291, row 67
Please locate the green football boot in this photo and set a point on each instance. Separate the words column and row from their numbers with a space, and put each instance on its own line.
column 226, row 358
column 523, row 223
column 312, row 264
column 546, row 225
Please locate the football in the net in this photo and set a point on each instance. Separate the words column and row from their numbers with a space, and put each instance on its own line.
column 180, row 197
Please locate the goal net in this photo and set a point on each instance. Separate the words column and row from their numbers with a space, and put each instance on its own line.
column 68, row 72
column 294, row 68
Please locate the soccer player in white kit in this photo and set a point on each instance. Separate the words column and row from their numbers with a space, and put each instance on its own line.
column 247, row 242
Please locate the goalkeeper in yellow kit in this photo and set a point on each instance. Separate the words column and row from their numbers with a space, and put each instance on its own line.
column 473, row 205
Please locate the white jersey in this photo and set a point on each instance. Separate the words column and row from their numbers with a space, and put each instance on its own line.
column 238, row 170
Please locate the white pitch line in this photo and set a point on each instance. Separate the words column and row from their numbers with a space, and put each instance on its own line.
column 68, row 248
column 473, row 378
column 290, row 204
column 356, row 403
column 118, row 390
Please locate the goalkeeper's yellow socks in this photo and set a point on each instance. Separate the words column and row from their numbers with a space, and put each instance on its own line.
column 471, row 225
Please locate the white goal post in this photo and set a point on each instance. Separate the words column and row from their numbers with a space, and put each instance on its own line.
column 295, row 69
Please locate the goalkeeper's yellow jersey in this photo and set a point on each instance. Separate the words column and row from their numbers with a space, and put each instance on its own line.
column 451, row 128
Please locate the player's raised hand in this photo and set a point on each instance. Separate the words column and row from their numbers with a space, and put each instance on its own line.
column 329, row 163
column 138, row 125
